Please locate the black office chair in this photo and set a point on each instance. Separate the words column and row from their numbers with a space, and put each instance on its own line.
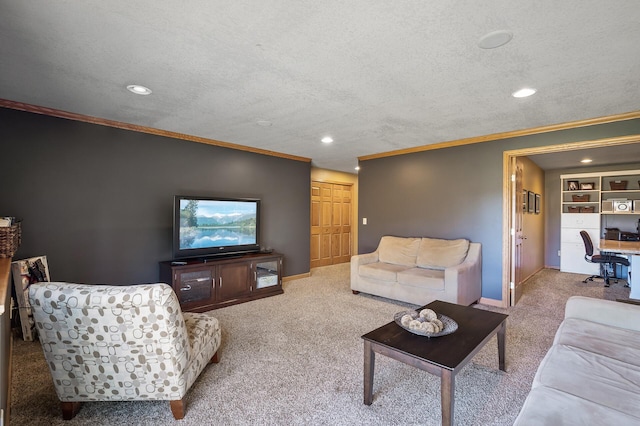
column 604, row 259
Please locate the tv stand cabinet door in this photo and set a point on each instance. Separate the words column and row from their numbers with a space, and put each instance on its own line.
column 194, row 287
column 233, row 281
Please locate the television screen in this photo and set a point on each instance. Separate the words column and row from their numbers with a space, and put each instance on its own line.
column 210, row 226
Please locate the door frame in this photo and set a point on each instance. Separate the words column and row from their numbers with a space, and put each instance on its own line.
column 508, row 158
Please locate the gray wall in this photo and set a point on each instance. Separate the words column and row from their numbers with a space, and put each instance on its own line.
column 98, row 201
column 552, row 209
column 453, row 192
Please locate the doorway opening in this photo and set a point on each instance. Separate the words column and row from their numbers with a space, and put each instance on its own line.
column 511, row 198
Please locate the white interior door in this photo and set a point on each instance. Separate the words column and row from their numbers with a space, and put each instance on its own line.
column 517, row 212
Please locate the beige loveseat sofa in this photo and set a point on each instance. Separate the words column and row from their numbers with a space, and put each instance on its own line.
column 591, row 374
column 420, row 270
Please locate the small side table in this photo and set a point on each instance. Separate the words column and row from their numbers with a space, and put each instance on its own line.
column 441, row 356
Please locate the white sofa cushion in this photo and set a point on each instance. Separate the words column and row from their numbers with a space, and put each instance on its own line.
column 435, row 253
column 432, row 279
column 381, row 271
column 546, row 406
column 592, row 377
column 398, row 250
column 612, row 342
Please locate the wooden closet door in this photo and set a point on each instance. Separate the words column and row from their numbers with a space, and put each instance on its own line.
column 341, row 224
column 331, row 209
column 320, row 224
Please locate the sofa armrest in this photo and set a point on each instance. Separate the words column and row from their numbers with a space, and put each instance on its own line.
column 466, row 278
column 356, row 261
column 607, row 312
column 363, row 259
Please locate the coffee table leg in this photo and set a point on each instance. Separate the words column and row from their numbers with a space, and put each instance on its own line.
column 501, row 345
column 369, row 364
column 447, row 394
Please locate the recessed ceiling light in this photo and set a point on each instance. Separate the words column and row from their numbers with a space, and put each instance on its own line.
column 357, row 167
column 523, row 93
column 327, row 139
column 139, row 90
column 495, row 39
column 586, row 160
column 264, row 123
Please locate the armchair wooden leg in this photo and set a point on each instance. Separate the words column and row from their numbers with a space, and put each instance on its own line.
column 70, row 409
column 177, row 408
column 215, row 359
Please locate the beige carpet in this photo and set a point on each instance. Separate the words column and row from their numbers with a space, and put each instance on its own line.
column 297, row 359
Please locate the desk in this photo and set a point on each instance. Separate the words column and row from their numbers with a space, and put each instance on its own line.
column 631, row 248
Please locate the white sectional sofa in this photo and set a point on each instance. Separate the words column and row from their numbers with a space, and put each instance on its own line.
column 591, row 374
column 420, row 270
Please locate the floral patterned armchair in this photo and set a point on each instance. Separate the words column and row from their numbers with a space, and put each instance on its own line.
column 113, row 343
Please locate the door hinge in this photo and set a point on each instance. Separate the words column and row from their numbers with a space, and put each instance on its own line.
column 512, row 285
column 512, row 232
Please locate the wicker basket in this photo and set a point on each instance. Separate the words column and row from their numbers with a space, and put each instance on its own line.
column 587, row 209
column 576, row 198
column 618, row 185
column 10, row 239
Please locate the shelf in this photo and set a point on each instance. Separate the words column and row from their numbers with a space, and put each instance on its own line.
column 599, row 194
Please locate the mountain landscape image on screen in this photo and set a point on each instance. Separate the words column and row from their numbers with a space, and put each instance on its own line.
column 213, row 223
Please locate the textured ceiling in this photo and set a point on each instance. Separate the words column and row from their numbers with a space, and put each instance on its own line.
column 377, row 76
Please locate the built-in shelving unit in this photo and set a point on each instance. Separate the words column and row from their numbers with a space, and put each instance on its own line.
column 615, row 192
column 592, row 202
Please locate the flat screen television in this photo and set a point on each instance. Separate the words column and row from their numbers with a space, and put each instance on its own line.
column 208, row 226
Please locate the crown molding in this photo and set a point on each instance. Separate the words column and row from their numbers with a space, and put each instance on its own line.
column 506, row 135
column 4, row 103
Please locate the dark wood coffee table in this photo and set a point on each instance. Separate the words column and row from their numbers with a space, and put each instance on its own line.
column 442, row 356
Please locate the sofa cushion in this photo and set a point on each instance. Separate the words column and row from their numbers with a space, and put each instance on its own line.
column 440, row 254
column 592, row 377
column 432, row 279
column 204, row 338
column 381, row 271
column 612, row 342
column 398, row 250
column 546, row 406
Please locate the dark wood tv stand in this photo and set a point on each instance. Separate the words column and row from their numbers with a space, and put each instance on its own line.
column 205, row 284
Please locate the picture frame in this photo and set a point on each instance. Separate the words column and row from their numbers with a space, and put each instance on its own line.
column 537, row 208
column 587, row 186
column 531, row 201
column 524, row 200
column 26, row 272
column 573, row 185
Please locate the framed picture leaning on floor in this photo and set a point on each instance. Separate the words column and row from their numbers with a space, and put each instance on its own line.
column 26, row 272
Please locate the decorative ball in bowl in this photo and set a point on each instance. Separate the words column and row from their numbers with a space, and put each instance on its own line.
column 426, row 322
